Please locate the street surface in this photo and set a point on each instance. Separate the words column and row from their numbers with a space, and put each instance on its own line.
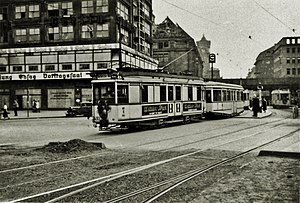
column 38, row 132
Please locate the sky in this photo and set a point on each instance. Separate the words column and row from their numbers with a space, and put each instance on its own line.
column 238, row 29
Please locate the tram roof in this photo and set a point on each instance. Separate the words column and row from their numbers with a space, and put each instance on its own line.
column 148, row 77
column 221, row 85
column 286, row 91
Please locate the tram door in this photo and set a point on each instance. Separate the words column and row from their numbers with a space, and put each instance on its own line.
column 178, row 99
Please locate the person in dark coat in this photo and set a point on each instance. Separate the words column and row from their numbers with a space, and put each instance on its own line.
column 255, row 107
column 16, row 106
column 5, row 112
column 264, row 105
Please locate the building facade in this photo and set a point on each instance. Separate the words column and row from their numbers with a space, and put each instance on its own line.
column 48, row 48
column 279, row 61
column 175, row 50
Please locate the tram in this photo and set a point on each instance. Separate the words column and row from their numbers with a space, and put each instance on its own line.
column 223, row 99
column 132, row 99
column 281, row 98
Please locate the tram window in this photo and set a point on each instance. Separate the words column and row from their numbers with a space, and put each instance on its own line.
column 208, row 96
column 122, row 91
column 107, row 92
column 170, row 93
column 217, row 95
column 96, row 95
column 229, row 96
column 224, row 95
column 145, row 93
column 190, row 93
column 199, row 94
column 163, row 93
column 178, row 93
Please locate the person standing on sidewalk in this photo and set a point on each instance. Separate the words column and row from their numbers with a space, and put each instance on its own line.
column 5, row 112
column 16, row 106
column 256, row 106
column 37, row 105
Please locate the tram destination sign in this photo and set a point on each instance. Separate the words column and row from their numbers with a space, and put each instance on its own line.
column 154, row 109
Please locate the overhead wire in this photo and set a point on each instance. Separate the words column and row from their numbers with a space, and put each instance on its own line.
column 292, row 29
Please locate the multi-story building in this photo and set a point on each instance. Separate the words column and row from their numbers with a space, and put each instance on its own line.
column 48, row 48
column 264, row 65
column 279, row 61
column 287, row 58
column 175, row 50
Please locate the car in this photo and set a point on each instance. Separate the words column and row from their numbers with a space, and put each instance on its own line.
column 84, row 109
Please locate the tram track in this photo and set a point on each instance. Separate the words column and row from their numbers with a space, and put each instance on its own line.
column 102, row 180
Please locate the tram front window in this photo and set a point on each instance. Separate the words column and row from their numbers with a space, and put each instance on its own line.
column 104, row 92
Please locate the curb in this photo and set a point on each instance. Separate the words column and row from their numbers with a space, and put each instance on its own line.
column 283, row 154
column 255, row 117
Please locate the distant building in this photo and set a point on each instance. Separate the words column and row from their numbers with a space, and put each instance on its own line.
column 264, row 65
column 175, row 50
column 48, row 48
column 279, row 61
column 204, row 50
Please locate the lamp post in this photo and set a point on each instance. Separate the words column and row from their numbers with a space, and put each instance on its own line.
column 260, row 88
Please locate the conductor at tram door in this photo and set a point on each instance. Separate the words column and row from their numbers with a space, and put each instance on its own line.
column 103, row 108
column 256, row 107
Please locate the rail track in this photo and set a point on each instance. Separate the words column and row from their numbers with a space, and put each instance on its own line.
column 67, row 192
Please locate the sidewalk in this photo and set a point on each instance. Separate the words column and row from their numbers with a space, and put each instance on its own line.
column 24, row 114
column 249, row 114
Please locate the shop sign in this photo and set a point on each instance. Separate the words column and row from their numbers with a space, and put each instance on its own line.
column 45, row 76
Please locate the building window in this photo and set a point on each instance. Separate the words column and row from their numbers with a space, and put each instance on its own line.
column 67, row 33
column 33, row 68
column 293, row 60
column 298, row 71
column 102, row 6
column 125, row 36
column 17, row 68
column 293, row 50
column 20, row 12
column 102, row 30
column 293, row 71
column 53, row 33
column 122, row 10
column 288, row 71
column 298, row 60
column 53, row 9
column 34, row 11
column 288, row 41
column 287, row 50
column 102, row 65
column 21, row 35
column 49, row 67
column 67, row 67
column 87, row 31
column 288, row 60
column 34, row 34
column 2, row 68
column 298, row 49
column 67, row 9
column 3, row 14
column 84, row 66
column 293, row 41
column 87, row 7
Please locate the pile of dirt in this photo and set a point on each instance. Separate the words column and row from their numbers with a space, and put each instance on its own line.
column 71, row 146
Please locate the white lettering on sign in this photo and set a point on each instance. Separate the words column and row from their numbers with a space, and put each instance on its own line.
column 46, row 76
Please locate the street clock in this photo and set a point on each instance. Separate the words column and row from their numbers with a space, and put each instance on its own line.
column 212, row 58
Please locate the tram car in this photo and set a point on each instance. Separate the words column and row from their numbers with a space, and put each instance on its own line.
column 133, row 100
column 223, row 99
column 281, row 98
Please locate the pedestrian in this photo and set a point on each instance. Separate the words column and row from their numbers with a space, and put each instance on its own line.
column 5, row 112
column 16, row 106
column 255, row 104
column 34, row 106
column 37, row 105
column 264, row 105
